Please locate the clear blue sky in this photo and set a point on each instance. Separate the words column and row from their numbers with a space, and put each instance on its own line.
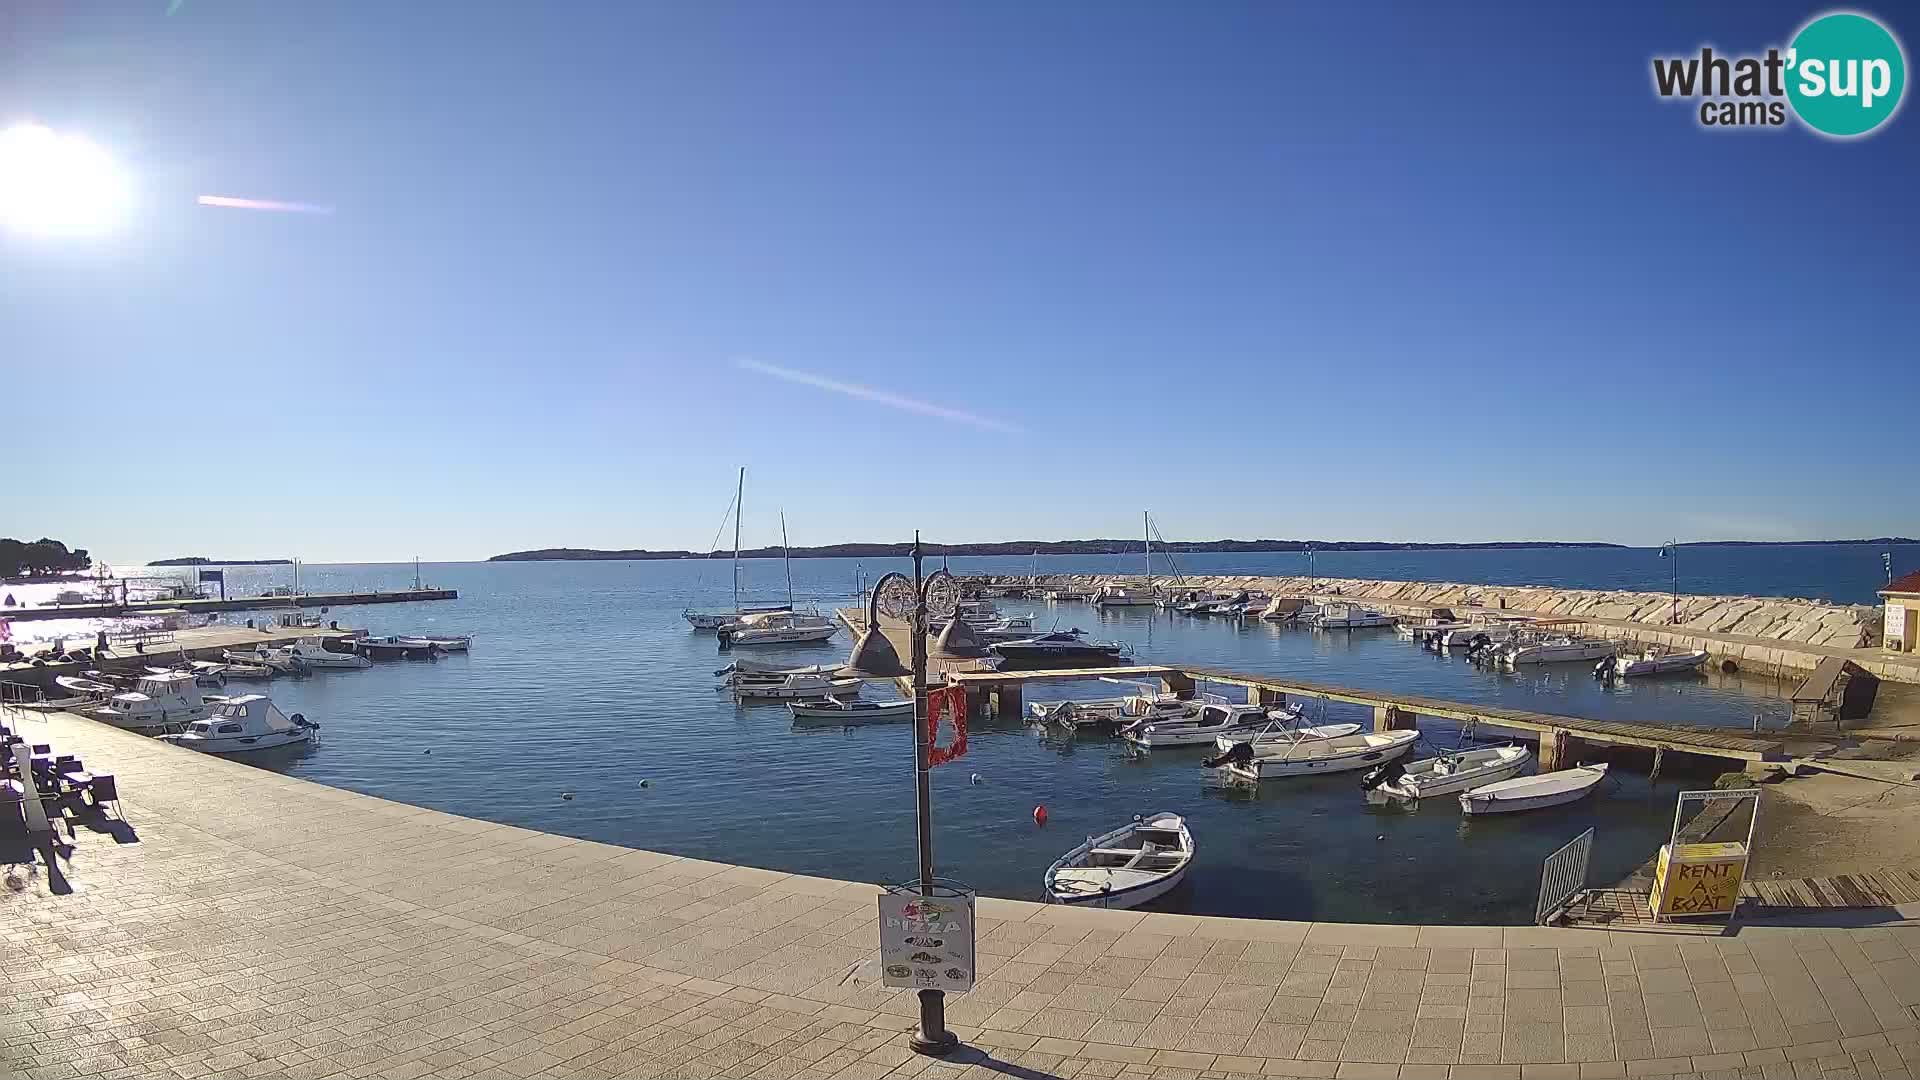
column 1418, row 272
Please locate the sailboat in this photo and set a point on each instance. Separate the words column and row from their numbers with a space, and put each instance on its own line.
column 784, row 626
column 1125, row 596
column 714, row 620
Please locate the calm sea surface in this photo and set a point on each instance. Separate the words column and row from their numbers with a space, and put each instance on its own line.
column 584, row 679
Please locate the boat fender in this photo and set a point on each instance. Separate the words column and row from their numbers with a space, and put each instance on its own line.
column 973, row 779
column 567, row 795
column 643, row 783
column 1040, row 815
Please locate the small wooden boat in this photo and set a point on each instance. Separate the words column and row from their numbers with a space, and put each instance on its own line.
column 753, row 667
column 1313, row 756
column 1534, row 792
column 1556, row 649
column 1443, row 775
column 453, row 643
column 1125, row 868
column 237, row 670
column 279, row 661
column 836, row 710
column 792, row 686
column 1349, row 617
column 778, row 628
column 86, row 688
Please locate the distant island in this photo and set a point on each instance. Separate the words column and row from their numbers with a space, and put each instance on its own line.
column 1879, row 540
column 201, row 560
column 1028, row 547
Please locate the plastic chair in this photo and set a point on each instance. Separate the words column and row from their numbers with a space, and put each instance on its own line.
column 103, row 791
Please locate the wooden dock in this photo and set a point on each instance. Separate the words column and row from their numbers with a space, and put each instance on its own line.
column 1561, row 737
column 238, row 603
column 26, row 681
column 1878, row 888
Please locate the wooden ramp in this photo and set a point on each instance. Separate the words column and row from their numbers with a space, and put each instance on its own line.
column 1873, row 889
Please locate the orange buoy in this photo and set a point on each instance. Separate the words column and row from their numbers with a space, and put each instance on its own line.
column 1040, row 815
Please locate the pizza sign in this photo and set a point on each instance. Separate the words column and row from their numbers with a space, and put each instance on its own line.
column 926, row 942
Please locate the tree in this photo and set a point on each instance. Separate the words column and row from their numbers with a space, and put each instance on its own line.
column 43, row 556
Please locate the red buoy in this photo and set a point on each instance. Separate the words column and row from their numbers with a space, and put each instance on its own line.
column 1040, row 815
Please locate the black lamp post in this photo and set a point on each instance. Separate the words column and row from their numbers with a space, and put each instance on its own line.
column 1672, row 554
column 874, row 657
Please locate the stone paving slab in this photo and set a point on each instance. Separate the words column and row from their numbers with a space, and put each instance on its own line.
column 265, row 926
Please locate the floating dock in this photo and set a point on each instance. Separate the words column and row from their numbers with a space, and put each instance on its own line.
column 238, row 603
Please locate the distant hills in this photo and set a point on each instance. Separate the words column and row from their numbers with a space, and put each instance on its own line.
column 201, row 560
column 1887, row 540
column 1024, row 548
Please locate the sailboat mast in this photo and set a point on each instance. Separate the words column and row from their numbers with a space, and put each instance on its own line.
column 1146, row 527
column 786, row 557
column 740, row 491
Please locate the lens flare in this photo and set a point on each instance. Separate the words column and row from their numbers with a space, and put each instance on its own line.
column 234, row 202
column 58, row 185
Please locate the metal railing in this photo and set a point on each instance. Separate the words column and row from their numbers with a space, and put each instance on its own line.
column 1563, row 876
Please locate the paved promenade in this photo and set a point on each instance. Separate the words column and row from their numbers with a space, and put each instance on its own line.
column 263, row 926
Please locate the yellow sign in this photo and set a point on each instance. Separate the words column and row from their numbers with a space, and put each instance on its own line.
column 1699, row 879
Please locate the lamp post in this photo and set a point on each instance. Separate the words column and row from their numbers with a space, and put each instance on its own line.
column 1671, row 552
column 874, row 657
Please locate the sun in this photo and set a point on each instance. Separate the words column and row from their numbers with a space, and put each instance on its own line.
column 58, row 185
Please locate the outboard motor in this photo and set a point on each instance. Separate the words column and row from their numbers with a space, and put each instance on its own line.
column 1386, row 773
column 1604, row 671
column 726, row 639
column 1239, row 754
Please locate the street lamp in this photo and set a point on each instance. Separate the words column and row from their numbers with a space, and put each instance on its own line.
column 1670, row 551
column 874, row 657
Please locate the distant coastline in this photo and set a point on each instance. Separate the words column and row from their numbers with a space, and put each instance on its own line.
column 1026, row 547
column 200, row 560
column 1118, row 547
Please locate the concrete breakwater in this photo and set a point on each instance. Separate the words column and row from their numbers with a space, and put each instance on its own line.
column 1781, row 636
column 1783, row 619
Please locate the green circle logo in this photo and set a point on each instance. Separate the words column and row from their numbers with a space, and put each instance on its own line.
column 1845, row 74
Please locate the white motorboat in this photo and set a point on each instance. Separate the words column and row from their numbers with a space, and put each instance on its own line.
column 1127, row 867
column 454, row 643
column 1556, row 649
column 1060, row 645
column 1534, row 792
column 279, row 661
column 1443, row 775
column 1349, row 617
column 754, row 667
column 1314, row 756
column 778, row 628
column 1111, row 711
column 318, row 658
column 782, row 687
column 85, row 688
column 157, row 701
column 1283, row 609
column 1199, row 725
column 714, row 620
column 1657, row 660
column 1279, row 735
column 1124, row 596
column 837, row 710
column 244, row 670
column 248, row 722
column 206, row 675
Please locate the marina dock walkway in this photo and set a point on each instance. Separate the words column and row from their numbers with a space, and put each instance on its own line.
column 137, row 608
column 244, row 923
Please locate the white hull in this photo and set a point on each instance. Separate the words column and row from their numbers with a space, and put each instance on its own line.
column 1267, row 740
column 1534, row 792
column 148, row 720
column 241, row 745
column 1560, row 654
column 1453, row 773
column 453, row 644
column 1659, row 665
column 860, row 713
column 1099, row 874
column 785, row 691
column 1465, row 638
column 1328, row 756
column 1199, row 727
column 782, row 635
